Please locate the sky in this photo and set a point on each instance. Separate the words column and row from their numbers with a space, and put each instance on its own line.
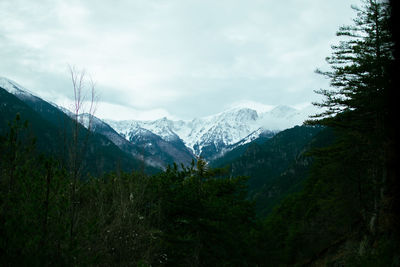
column 180, row 59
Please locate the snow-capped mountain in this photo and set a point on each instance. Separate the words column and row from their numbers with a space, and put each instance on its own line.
column 166, row 141
column 155, row 149
column 212, row 135
column 141, row 143
column 161, row 127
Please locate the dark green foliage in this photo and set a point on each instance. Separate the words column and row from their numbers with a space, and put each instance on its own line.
column 320, row 217
column 187, row 217
column 238, row 151
column 275, row 167
column 344, row 215
column 118, row 221
column 208, row 219
column 292, row 179
column 268, row 160
column 10, row 106
column 357, row 108
column 33, row 202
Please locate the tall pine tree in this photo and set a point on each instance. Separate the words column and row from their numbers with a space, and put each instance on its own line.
column 357, row 107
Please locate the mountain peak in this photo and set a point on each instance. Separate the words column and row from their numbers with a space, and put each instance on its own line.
column 236, row 114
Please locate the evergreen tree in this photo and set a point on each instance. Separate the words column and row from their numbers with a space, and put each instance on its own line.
column 360, row 71
column 357, row 107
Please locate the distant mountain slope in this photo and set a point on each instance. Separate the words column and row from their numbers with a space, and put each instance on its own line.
column 277, row 162
column 236, row 150
column 145, row 144
column 134, row 149
column 291, row 179
column 53, row 130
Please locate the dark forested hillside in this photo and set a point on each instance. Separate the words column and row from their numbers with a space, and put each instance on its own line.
column 236, row 150
column 292, row 179
column 53, row 131
column 275, row 167
column 264, row 161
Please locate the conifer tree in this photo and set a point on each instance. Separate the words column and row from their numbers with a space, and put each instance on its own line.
column 356, row 106
column 359, row 74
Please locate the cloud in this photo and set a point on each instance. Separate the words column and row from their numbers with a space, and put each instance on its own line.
column 187, row 57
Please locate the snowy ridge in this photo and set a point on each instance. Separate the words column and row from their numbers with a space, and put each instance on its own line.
column 23, row 93
column 15, row 89
column 251, row 137
column 207, row 136
column 238, row 125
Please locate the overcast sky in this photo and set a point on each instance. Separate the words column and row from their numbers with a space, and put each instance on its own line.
column 175, row 58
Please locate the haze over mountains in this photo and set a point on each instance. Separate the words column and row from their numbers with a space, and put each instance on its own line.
column 164, row 141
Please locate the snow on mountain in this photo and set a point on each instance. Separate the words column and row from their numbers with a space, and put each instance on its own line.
column 206, row 136
column 156, row 137
column 162, row 127
column 16, row 89
column 98, row 126
column 211, row 134
column 220, row 130
column 251, row 137
column 24, row 94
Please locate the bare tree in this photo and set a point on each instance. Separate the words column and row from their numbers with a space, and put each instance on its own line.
column 84, row 107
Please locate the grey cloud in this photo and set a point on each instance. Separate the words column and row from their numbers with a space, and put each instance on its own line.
column 188, row 57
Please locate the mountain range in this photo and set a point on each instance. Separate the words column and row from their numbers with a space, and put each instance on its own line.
column 246, row 141
column 164, row 141
column 212, row 136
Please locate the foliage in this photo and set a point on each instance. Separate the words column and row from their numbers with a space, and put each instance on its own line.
column 343, row 215
column 205, row 217
column 192, row 216
column 33, row 202
column 276, row 167
column 356, row 107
